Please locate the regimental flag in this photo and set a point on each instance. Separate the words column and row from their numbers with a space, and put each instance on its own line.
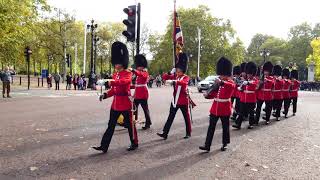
column 178, row 32
column 177, row 35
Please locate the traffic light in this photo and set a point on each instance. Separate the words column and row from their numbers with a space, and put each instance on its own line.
column 130, row 22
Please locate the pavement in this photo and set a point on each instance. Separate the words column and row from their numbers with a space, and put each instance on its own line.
column 47, row 134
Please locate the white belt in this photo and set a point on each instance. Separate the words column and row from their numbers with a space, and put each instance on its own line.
column 294, row 90
column 141, row 85
column 245, row 91
column 221, row 100
column 266, row 89
column 285, row 89
column 276, row 90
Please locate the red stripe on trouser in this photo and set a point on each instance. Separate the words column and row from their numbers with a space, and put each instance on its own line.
column 134, row 129
column 188, row 120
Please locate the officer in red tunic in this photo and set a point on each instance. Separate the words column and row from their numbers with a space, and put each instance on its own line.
column 236, row 96
column 141, row 93
column 121, row 104
column 221, row 107
column 285, row 91
column 277, row 91
column 295, row 85
column 248, row 97
column 180, row 94
column 264, row 94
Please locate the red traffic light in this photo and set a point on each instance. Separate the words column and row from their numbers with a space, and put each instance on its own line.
column 129, row 11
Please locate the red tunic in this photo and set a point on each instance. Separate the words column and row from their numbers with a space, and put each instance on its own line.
column 182, row 84
column 120, row 89
column 248, row 95
column 286, row 88
column 294, row 88
column 221, row 105
column 277, row 89
column 141, row 88
column 265, row 94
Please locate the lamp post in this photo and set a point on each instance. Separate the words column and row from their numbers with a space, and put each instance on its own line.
column 95, row 41
column 27, row 53
column 50, row 58
column 92, row 27
column 265, row 53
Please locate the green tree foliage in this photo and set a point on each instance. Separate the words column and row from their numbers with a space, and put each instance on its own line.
column 315, row 57
column 217, row 39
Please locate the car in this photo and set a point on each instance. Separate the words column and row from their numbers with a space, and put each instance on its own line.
column 205, row 84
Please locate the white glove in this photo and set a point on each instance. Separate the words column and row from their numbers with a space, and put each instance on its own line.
column 245, row 83
column 170, row 82
column 239, row 89
column 173, row 70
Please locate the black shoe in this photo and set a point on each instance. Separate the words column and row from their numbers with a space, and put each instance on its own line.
column 164, row 136
column 236, row 126
column 224, row 147
column 286, row 116
column 187, row 136
column 204, row 148
column 132, row 147
column 283, row 112
column 100, row 149
column 3, row 96
column 293, row 114
column 146, row 127
column 267, row 122
column 250, row 127
column 277, row 119
column 274, row 115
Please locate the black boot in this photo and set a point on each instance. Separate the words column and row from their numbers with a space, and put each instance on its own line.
column 164, row 136
column 187, row 136
column 267, row 122
column 204, row 148
column 132, row 147
column 250, row 127
column 100, row 149
column 146, row 127
column 236, row 126
column 224, row 147
column 277, row 119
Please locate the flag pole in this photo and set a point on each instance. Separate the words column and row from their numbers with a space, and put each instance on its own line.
column 174, row 35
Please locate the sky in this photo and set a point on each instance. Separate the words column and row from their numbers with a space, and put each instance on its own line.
column 248, row 17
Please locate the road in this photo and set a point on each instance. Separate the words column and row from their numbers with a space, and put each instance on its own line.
column 48, row 134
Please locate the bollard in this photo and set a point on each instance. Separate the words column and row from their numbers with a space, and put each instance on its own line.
column 38, row 82
column 42, row 82
column 20, row 81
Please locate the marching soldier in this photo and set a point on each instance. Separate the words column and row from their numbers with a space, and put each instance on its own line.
column 236, row 96
column 180, row 94
column 141, row 93
column 277, row 91
column 264, row 94
column 248, row 96
column 294, row 90
column 285, row 91
column 221, row 107
column 121, row 104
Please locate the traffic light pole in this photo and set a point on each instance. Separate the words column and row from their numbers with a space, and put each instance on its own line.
column 138, row 29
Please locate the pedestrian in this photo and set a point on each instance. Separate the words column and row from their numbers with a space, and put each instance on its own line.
column 221, row 107
column 285, row 91
column 264, row 94
column 69, row 82
column 121, row 104
column 80, row 83
column 75, row 81
column 295, row 84
column 84, row 84
column 236, row 96
column 6, row 78
column 49, row 81
column 248, row 97
column 141, row 93
column 57, row 78
column 180, row 94
column 158, row 81
column 277, row 91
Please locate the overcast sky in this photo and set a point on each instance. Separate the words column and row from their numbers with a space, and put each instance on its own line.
column 248, row 17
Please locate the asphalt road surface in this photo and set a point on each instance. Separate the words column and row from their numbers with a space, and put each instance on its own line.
column 48, row 134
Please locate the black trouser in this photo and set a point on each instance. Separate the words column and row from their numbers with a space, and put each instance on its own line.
column 212, row 126
column 57, row 85
column 114, row 115
column 286, row 105
column 68, row 86
column 144, row 105
column 277, row 103
column 268, row 109
column 236, row 107
column 294, row 104
column 246, row 109
column 172, row 114
column 6, row 86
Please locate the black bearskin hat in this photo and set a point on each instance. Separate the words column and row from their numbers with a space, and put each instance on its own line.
column 251, row 68
column 277, row 70
column 286, row 72
column 242, row 67
column 268, row 66
column 236, row 70
column 140, row 61
column 224, row 67
column 119, row 54
column 294, row 74
column 182, row 62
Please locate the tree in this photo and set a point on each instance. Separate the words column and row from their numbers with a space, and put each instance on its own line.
column 315, row 56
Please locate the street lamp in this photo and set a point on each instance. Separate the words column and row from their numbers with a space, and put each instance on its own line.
column 27, row 53
column 265, row 53
column 95, row 41
column 50, row 58
column 92, row 27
